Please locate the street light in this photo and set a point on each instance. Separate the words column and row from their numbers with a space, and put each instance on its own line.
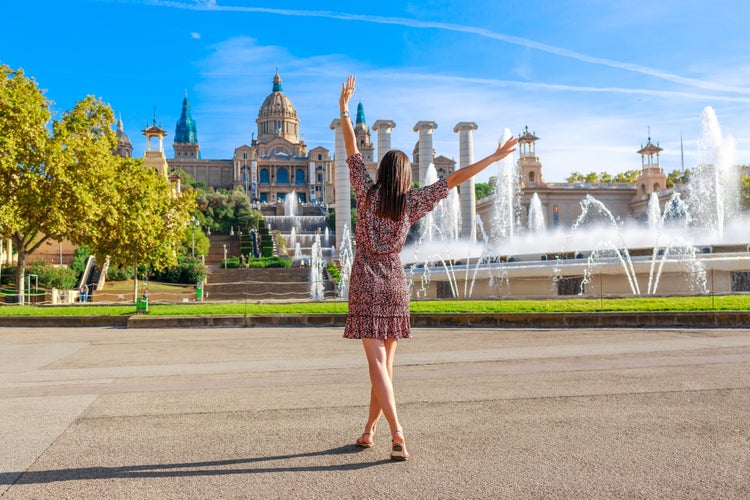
column 225, row 255
column 193, row 224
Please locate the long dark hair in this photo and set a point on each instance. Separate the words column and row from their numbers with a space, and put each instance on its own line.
column 394, row 181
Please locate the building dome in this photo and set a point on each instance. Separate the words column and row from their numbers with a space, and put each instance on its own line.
column 124, row 146
column 122, row 137
column 277, row 116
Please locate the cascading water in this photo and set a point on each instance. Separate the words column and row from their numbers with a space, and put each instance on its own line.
column 714, row 184
column 290, row 204
column 536, row 215
column 316, row 270
column 346, row 257
column 438, row 227
column 506, row 213
column 676, row 241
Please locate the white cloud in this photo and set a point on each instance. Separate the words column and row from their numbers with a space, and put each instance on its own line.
column 195, row 35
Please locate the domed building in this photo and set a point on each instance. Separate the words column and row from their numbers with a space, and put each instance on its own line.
column 124, row 146
column 274, row 164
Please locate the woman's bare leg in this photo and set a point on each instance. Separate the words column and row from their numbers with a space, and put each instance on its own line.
column 375, row 410
column 380, row 354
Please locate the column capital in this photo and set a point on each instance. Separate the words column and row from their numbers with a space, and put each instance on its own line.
column 336, row 123
column 384, row 125
column 425, row 125
column 465, row 126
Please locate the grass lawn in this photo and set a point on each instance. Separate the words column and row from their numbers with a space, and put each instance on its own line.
column 699, row 303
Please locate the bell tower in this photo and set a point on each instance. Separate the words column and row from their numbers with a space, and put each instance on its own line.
column 528, row 162
column 651, row 178
column 154, row 155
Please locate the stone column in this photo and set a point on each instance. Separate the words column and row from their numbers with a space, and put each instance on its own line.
column 425, row 147
column 468, row 197
column 384, row 129
column 342, row 202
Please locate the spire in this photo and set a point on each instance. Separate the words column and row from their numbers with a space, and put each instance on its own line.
column 186, row 130
column 277, row 81
column 360, row 114
column 120, row 127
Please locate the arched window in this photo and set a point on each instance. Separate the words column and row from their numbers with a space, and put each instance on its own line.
column 299, row 177
column 656, row 188
column 264, row 176
column 531, row 177
column 320, row 157
column 282, row 176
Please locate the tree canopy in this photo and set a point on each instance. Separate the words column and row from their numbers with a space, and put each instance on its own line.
column 61, row 180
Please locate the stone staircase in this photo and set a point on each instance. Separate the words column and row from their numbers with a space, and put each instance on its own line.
column 261, row 284
column 216, row 250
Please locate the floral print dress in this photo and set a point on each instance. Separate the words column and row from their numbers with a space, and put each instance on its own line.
column 378, row 290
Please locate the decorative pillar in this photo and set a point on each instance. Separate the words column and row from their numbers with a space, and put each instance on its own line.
column 342, row 187
column 425, row 129
column 468, row 197
column 384, row 129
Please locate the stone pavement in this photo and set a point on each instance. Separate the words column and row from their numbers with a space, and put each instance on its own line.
column 273, row 412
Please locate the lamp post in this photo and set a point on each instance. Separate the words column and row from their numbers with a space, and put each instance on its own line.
column 193, row 224
column 225, row 255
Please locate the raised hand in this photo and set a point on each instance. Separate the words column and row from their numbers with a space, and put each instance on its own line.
column 347, row 91
column 504, row 150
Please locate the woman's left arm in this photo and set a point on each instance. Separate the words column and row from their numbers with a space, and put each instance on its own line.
column 469, row 171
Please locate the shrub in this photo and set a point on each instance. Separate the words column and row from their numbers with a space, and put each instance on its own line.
column 79, row 260
column 119, row 273
column 7, row 275
column 334, row 272
column 269, row 262
column 50, row 276
column 231, row 263
column 188, row 270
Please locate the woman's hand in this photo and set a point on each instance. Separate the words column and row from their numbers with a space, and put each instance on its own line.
column 504, row 150
column 347, row 91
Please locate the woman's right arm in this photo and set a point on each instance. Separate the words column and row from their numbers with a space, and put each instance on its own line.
column 350, row 142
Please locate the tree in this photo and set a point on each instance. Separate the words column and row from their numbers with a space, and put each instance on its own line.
column 745, row 188
column 146, row 221
column 627, row 177
column 483, row 190
column 55, row 185
column 575, row 177
column 678, row 177
column 591, row 178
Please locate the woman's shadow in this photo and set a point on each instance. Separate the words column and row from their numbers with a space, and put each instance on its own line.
column 257, row 465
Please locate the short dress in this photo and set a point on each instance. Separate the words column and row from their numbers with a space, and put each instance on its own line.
column 378, row 290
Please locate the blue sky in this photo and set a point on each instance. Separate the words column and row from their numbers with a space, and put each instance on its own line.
column 590, row 78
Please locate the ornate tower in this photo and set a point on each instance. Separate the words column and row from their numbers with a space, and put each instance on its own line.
column 277, row 116
column 651, row 178
column 154, row 155
column 186, row 135
column 362, row 135
column 528, row 162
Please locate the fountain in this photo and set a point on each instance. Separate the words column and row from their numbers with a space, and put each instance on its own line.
column 697, row 236
column 316, row 270
column 536, row 215
column 347, row 259
column 290, row 204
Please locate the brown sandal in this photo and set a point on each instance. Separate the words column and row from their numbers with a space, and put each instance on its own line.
column 362, row 443
column 398, row 450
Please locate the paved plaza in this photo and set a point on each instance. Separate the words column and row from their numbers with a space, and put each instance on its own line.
column 273, row 413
